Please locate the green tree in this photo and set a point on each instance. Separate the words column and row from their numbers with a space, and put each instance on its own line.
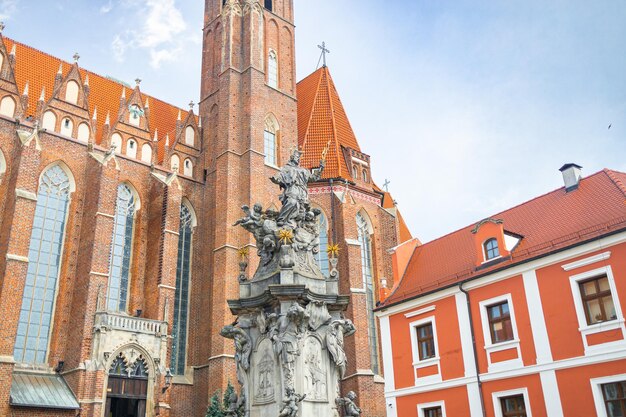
column 215, row 408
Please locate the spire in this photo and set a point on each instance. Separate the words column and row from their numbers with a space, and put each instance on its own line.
column 199, row 121
column 87, row 80
column 13, row 51
column 42, row 97
column 60, row 71
column 156, row 135
column 95, row 113
column 180, row 116
column 124, row 92
column 108, row 119
column 147, row 105
column 167, row 139
column 25, row 93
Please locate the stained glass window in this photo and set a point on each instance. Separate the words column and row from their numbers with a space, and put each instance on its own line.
column 44, row 262
column 368, row 282
column 322, row 256
column 181, row 302
column 121, row 250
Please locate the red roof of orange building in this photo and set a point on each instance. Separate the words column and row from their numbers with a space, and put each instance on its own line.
column 39, row 70
column 547, row 224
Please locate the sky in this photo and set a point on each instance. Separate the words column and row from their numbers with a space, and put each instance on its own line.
column 467, row 107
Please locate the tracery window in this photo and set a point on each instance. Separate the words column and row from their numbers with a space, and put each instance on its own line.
column 121, row 250
column 322, row 256
column 139, row 369
column 368, row 282
column 118, row 367
column 269, row 140
column 181, row 302
column 272, row 70
column 44, row 263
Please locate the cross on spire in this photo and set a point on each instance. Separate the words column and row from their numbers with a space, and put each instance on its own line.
column 324, row 52
column 1, row 26
column 386, row 184
column 76, row 57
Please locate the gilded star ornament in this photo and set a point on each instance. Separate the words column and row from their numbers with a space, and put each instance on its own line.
column 333, row 250
column 285, row 236
column 243, row 252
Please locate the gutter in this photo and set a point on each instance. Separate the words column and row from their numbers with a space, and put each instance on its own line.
column 474, row 350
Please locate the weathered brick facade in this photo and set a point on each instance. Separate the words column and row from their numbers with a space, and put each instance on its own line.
column 226, row 170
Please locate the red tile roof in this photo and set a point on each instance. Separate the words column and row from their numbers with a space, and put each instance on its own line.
column 548, row 223
column 39, row 70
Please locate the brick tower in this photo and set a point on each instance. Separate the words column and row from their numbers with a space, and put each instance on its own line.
column 248, row 110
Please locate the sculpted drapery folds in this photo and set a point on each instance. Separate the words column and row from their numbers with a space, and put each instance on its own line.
column 337, row 329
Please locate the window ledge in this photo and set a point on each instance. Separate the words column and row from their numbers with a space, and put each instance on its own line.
column 508, row 344
column 427, row 362
column 272, row 166
column 602, row 326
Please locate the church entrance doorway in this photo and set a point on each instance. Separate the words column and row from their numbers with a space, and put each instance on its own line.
column 127, row 389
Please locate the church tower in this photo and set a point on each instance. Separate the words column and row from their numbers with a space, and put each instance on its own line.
column 248, row 113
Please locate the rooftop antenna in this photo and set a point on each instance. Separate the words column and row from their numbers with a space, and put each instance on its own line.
column 323, row 54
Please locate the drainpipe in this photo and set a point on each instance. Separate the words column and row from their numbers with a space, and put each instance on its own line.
column 474, row 350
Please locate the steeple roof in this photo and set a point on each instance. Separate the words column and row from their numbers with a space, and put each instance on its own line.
column 322, row 120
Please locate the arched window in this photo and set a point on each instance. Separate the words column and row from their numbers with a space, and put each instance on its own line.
column 1, row 61
column 7, row 106
column 83, row 132
column 355, row 172
column 67, row 127
column 71, row 92
column 365, row 240
column 134, row 115
column 118, row 367
column 146, row 153
column 269, row 140
column 272, row 70
column 190, row 136
column 491, row 249
column 322, row 255
column 44, row 264
column 3, row 165
column 181, row 301
column 121, row 249
column 116, row 140
column 365, row 177
column 175, row 163
column 131, row 148
column 139, row 369
column 49, row 121
column 188, row 168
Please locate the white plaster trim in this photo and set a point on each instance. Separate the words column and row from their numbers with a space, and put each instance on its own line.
column 423, row 406
column 19, row 258
column 172, row 232
column 418, row 312
column 596, row 390
column 387, row 348
column 100, row 274
column 225, row 247
column 467, row 347
column 418, row 302
column 99, row 213
column 587, row 261
column 537, row 319
column 448, row 383
column 7, row 359
column 28, row 195
column 424, row 363
column 490, row 346
column 223, row 355
column 473, row 396
column 91, row 401
column 360, row 161
column 353, row 242
column 392, row 407
column 360, row 372
column 169, row 287
column 551, row 395
column 587, row 329
column 498, row 407
column 358, row 290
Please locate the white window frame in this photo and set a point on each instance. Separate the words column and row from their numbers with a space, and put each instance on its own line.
column 596, row 390
column 588, row 329
column 497, row 407
column 422, row 407
column 491, row 347
column 485, row 260
column 425, row 363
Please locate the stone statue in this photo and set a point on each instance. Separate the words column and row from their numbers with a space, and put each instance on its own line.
column 243, row 347
column 293, row 180
column 233, row 405
column 350, row 409
column 291, row 401
column 334, row 342
column 284, row 334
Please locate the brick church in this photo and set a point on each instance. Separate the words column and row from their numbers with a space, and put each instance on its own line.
column 117, row 251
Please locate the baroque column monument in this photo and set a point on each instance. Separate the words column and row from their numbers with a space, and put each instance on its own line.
column 290, row 328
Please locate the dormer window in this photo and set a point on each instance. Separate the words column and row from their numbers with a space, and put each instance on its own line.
column 491, row 249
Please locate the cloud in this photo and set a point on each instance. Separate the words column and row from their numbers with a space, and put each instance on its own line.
column 161, row 31
column 106, row 8
column 8, row 8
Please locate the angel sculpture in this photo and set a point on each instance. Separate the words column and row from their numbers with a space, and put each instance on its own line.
column 350, row 409
column 291, row 401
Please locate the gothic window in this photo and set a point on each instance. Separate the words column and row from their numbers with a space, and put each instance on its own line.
column 83, row 132
column 268, row 5
column 272, row 70
column 365, row 175
column 121, row 249
column 116, row 140
column 188, row 168
column 368, row 281
column 139, row 369
column 3, row 165
column 44, row 263
column 146, row 153
column 322, row 255
column 71, row 92
column 118, row 367
column 131, row 148
column 269, row 140
column 67, row 127
column 190, row 136
column 7, row 106
column 49, row 121
column 181, row 301
column 134, row 115
column 355, row 172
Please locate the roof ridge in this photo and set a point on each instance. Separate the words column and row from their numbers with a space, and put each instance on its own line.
column 308, row 125
column 618, row 183
column 509, row 209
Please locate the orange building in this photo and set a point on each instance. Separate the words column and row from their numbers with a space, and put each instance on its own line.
column 520, row 314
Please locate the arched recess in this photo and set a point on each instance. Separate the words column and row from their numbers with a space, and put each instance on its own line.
column 122, row 243
column 188, row 168
column 71, row 92
column 190, row 136
column 175, row 163
column 3, row 165
column 7, row 106
column 272, row 69
column 49, row 121
column 365, row 231
column 188, row 222
column 56, row 184
column 146, row 153
column 67, row 127
column 83, row 132
column 131, row 148
column 116, row 141
column 270, row 140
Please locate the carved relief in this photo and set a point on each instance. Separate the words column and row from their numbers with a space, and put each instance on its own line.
column 315, row 374
column 264, row 373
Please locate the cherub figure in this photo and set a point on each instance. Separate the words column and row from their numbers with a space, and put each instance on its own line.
column 291, row 401
column 350, row 409
column 253, row 218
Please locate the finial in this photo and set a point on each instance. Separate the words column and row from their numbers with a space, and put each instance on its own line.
column 87, row 80
column 25, row 93
column 180, row 117
column 156, row 135
column 42, row 97
column 12, row 51
column 199, row 121
column 123, row 92
column 60, row 71
column 137, row 81
column 167, row 139
column 147, row 105
column 324, row 52
column 1, row 26
column 95, row 113
column 76, row 57
column 108, row 119
column 386, row 185
column 191, row 104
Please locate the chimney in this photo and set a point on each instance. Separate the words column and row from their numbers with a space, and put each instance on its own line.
column 571, row 176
